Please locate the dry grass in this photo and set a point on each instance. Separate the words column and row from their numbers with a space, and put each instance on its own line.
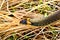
column 11, row 27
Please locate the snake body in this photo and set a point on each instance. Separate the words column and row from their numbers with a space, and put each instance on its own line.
column 47, row 20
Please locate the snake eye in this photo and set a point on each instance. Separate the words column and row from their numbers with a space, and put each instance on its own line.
column 23, row 21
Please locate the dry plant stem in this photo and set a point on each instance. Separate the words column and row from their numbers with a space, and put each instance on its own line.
column 18, row 5
column 45, row 38
column 56, row 36
column 12, row 4
column 21, row 29
column 19, row 33
column 17, row 27
column 51, row 31
column 55, row 6
column 9, row 36
column 49, row 11
column 29, row 33
column 0, row 38
column 33, row 35
column 8, row 7
column 27, row 30
column 12, row 29
column 36, row 7
column 2, row 4
column 24, row 29
column 40, row 32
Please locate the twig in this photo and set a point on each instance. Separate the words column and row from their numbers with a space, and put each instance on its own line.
column 55, row 6
column 36, row 7
column 9, row 36
column 2, row 4
column 8, row 7
column 40, row 32
column 29, row 33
